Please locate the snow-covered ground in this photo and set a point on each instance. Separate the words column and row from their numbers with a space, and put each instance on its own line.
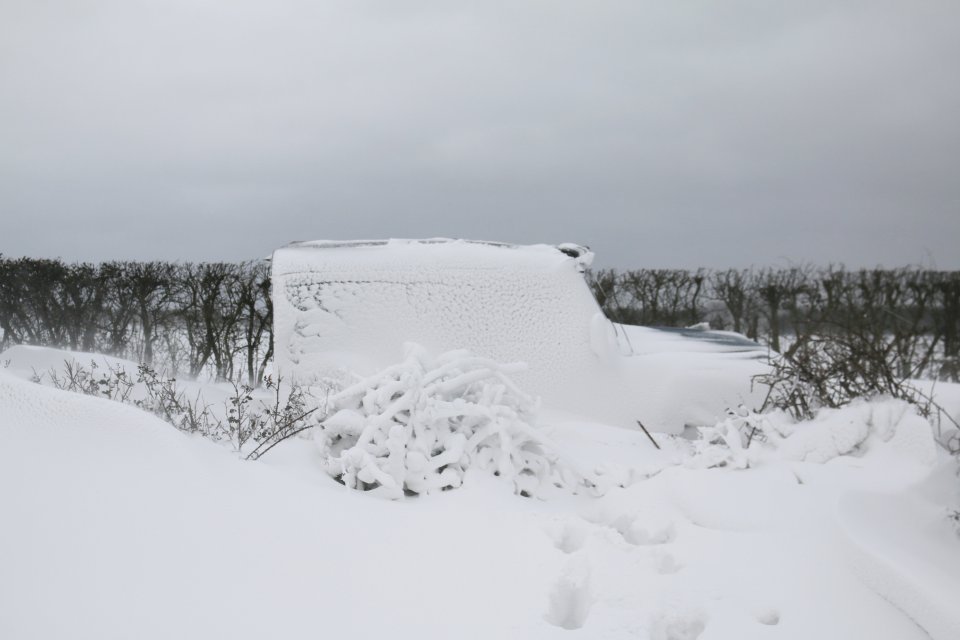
column 115, row 525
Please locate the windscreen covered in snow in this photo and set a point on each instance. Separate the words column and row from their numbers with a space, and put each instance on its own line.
column 352, row 306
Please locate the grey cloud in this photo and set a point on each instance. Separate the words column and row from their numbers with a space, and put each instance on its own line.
column 660, row 133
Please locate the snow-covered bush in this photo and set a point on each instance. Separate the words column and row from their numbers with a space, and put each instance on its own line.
column 745, row 438
column 287, row 414
column 733, row 441
column 251, row 425
column 417, row 426
column 113, row 383
column 836, row 368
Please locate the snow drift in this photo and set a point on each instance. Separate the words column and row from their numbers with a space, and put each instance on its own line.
column 115, row 525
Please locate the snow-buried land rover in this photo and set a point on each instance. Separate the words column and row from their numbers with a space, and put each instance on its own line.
column 352, row 305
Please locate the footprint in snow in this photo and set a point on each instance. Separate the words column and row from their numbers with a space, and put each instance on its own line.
column 767, row 616
column 666, row 564
column 678, row 625
column 570, row 600
column 570, row 537
column 637, row 534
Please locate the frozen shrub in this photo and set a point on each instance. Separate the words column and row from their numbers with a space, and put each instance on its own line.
column 251, row 425
column 416, row 427
column 287, row 414
column 733, row 441
column 832, row 370
column 113, row 384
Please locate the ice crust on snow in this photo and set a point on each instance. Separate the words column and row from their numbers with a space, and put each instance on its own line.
column 354, row 305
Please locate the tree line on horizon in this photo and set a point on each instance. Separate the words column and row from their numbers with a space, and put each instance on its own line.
column 908, row 318
column 185, row 318
column 216, row 318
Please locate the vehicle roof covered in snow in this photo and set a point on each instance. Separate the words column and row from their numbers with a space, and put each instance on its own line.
column 452, row 249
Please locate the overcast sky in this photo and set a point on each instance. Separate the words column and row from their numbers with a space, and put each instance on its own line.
column 661, row 133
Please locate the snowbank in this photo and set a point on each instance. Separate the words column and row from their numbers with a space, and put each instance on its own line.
column 901, row 545
column 115, row 525
column 890, row 428
column 26, row 360
column 691, row 378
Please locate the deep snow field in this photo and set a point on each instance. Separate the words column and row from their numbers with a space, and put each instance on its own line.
column 116, row 525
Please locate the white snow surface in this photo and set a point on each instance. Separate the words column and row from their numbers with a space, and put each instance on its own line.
column 27, row 361
column 115, row 525
column 353, row 305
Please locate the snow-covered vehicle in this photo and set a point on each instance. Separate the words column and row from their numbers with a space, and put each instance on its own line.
column 351, row 306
